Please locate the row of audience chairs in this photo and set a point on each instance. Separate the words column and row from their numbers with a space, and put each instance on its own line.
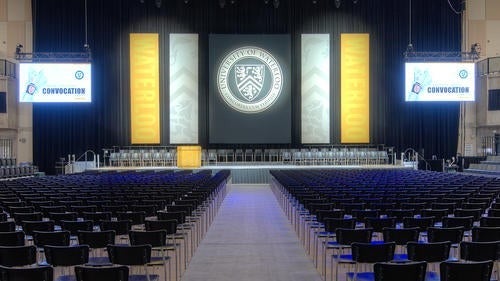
column 113, row 208
column 435, row 206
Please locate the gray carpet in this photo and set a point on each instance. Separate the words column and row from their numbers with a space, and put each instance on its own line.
column 252, row 240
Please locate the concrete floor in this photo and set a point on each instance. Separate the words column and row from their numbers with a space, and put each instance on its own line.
column 250, row 240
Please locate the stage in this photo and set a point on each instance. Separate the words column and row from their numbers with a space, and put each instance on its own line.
column 247, row 174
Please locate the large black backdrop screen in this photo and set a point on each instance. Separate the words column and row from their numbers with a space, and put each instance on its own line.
column 230, row 124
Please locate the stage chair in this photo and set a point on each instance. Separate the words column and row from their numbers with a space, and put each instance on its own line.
column 7, row 226
column 485, row 234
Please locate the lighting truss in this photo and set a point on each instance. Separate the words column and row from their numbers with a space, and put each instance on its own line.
column 54, row 57
column 440, row 56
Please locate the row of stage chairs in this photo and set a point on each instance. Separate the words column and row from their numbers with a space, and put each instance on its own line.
column 171, row 211
column 313, row 156
column 330, row 210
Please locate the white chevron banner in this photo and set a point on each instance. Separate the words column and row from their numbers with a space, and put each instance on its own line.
column 315, row 90
column 184, row 88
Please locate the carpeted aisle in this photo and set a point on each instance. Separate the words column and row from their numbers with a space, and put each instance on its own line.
column 250, row 240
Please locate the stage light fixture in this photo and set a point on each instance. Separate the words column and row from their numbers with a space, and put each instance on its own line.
column 337, row 4
column 315, row 2
column 276, row 3
column 141, row 1
column 355, row 2
column 19, row 48
column 475, row 48
column 266, row 2
column 158, row 3
column 222, row 3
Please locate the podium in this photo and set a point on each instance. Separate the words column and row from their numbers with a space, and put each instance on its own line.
column 188, row 156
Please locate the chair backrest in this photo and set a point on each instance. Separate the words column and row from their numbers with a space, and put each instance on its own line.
column 332, row 224
column 96, row 216
column 347, row 236
column 129, row 255
column 429, row 252
column 17, row 255
column 20, row 217
column 489, row 222
column 441, row 234
column 372, row 253
column 96, row 239
column 66, row 255
column 30, row 226
column 321, row 215
column 378, row 224
column 422, row 222
column 466, row 271
column 74, row 226
column 54, row 238
column 156, row 238
column 13, row 238
column 465, row 222
column 475, row 213
column 108, row 273
column 58, row 217
column 401, row 236
column 480, row 251
column 136, row 217
column 179, row 216
column 121, row 227
column 39, row 273
column 170, row 226
column 485, row 234
column 7, row 226
column 413, row 271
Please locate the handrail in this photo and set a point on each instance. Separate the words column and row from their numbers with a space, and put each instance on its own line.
column 7, row 68
column 418, row 156
column 488, row 66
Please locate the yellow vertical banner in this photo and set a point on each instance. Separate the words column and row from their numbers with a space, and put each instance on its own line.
column 355, row 88
column 144, row 88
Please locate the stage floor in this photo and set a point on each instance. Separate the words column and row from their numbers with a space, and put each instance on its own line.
column 248, row 174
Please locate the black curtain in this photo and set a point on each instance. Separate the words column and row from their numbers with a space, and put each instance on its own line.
column 59, row 26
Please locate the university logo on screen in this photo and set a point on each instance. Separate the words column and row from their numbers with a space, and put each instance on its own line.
column 249, row 79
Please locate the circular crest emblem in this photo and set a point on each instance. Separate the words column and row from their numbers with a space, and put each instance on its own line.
column 463, row 74
column 249, row 79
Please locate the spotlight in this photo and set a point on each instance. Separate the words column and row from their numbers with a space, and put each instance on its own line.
column 337, row 4
column 355, row 2
column 19, row 48
column 233, row 1
column 315, row 2
column 266, row 2
column 158, row 3
column 222, row 3
column 141, row 1
column 186, row 2
column 276, row 3
column 475, row 48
